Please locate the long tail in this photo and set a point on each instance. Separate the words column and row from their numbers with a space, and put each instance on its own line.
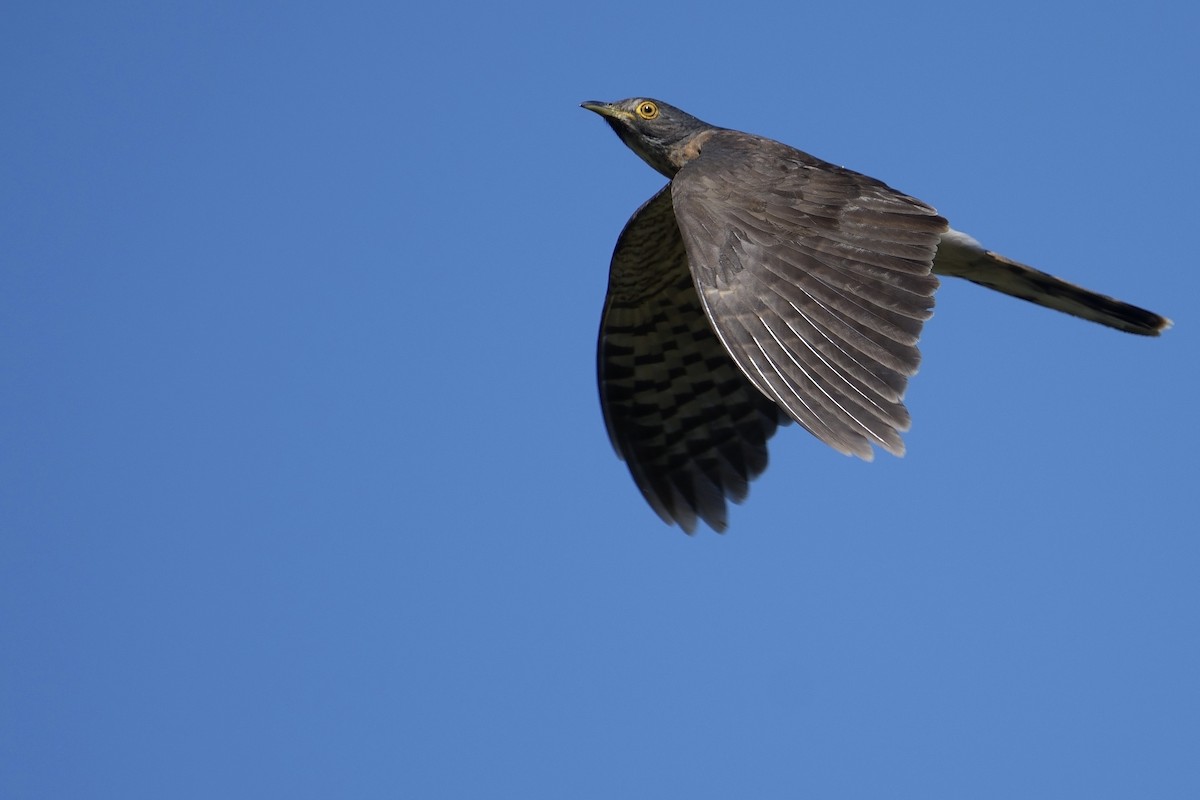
column 961, row 256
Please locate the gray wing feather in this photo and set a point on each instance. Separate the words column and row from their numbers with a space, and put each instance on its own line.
column 817, row 280
column 679, row 411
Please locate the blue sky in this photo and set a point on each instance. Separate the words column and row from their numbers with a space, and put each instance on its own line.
column 304, row 488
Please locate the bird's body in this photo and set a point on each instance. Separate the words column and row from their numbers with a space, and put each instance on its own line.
column 761, row 286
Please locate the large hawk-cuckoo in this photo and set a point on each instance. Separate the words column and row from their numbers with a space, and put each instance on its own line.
column 762, row 286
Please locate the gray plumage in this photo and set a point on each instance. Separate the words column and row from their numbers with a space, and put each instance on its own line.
column 763, row 285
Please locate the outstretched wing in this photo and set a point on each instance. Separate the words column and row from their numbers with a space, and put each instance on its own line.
column 817, row 279
column 690, row 426
column 963, row 257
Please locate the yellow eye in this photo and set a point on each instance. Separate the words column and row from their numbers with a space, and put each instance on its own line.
column 647, row 110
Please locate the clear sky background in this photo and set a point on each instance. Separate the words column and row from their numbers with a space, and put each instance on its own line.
column 304, row 488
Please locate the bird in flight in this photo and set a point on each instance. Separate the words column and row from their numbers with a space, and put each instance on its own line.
column 763, row 286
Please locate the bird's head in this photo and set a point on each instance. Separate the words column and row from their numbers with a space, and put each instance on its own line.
column 657, row 132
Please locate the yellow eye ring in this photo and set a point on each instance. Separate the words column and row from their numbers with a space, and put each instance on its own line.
column 647, row 110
